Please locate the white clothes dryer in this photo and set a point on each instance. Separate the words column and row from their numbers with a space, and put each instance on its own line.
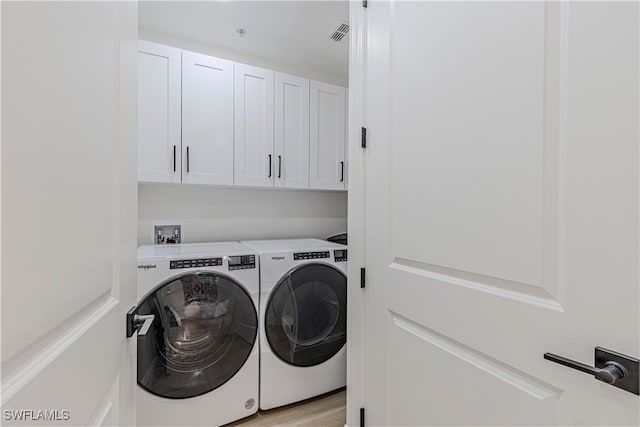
column 303, row 319
column 198, row 363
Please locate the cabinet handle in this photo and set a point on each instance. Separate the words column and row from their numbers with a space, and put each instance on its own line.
column 187, row 158
column 174, row 158
column 279, row 166
column 341, row 171
column 269, row 165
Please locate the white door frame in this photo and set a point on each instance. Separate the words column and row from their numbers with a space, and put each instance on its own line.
column 356, row 155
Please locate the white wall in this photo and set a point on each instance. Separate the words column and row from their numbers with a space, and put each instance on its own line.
column 214, row 214
column 244, row 58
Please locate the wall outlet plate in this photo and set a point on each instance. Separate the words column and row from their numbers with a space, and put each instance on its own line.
column 167, row 234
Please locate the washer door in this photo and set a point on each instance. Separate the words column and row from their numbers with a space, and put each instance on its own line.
column 203, row 333
column 306, row 318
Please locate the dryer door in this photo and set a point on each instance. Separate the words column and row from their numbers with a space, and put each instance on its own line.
column 204, row 331
column 306, row 316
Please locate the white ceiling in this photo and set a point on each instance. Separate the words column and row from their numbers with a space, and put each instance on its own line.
column 291, row 32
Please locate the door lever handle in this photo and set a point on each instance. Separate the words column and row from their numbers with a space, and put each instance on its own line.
column 611, row 372
column 610, row 367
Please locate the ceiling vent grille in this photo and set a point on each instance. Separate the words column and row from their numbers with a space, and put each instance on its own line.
column 340, row 33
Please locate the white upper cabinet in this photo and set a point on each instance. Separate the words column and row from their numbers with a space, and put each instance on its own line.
column 254, row 157
column 346, row 139
column 207, row 120
column 327, row 140
column 291, row 166
column 158, row 113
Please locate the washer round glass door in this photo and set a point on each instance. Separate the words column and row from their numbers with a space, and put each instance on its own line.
column 306, row 316
column 204, row 330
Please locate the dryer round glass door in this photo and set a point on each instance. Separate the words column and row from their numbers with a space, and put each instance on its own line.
column 204, row 330
column 306, row 316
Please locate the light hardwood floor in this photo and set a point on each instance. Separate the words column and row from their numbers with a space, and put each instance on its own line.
column 328, row 410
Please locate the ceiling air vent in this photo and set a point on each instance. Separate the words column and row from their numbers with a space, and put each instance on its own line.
column 340, row 32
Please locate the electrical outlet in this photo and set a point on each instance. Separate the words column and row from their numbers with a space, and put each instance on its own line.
column 163, row 234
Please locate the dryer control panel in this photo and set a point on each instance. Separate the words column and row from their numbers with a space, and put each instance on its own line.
column 242, row 262
column 340, row 255
column 311, row 255
column 197, row 262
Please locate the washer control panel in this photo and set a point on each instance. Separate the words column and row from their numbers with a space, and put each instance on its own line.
column 311, row 255
column 340, row 255
column 242, row 262
column 196, row 262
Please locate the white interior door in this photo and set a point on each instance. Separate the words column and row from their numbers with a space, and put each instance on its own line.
column 502, row 211
column 253, row 126
column 158, row 113
column 207, row 119
column 69, row 198
column 291, row 131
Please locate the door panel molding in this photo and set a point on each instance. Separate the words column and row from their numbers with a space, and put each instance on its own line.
column 22, row 376
column 68, row 363
column 104, row 416
column 555, row 148
column 523, row 292
column 536, row 262
column 535, row 387
column 466, row 386
column 107, row 414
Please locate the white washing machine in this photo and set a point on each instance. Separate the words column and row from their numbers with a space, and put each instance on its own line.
column 303, row 319
column 198, row 364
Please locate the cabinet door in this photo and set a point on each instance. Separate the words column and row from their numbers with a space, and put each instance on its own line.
column 158, row 113
column 327, row 141
column 291, row 166
column 253, row 125
column 207, row 120
column 346, row 139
